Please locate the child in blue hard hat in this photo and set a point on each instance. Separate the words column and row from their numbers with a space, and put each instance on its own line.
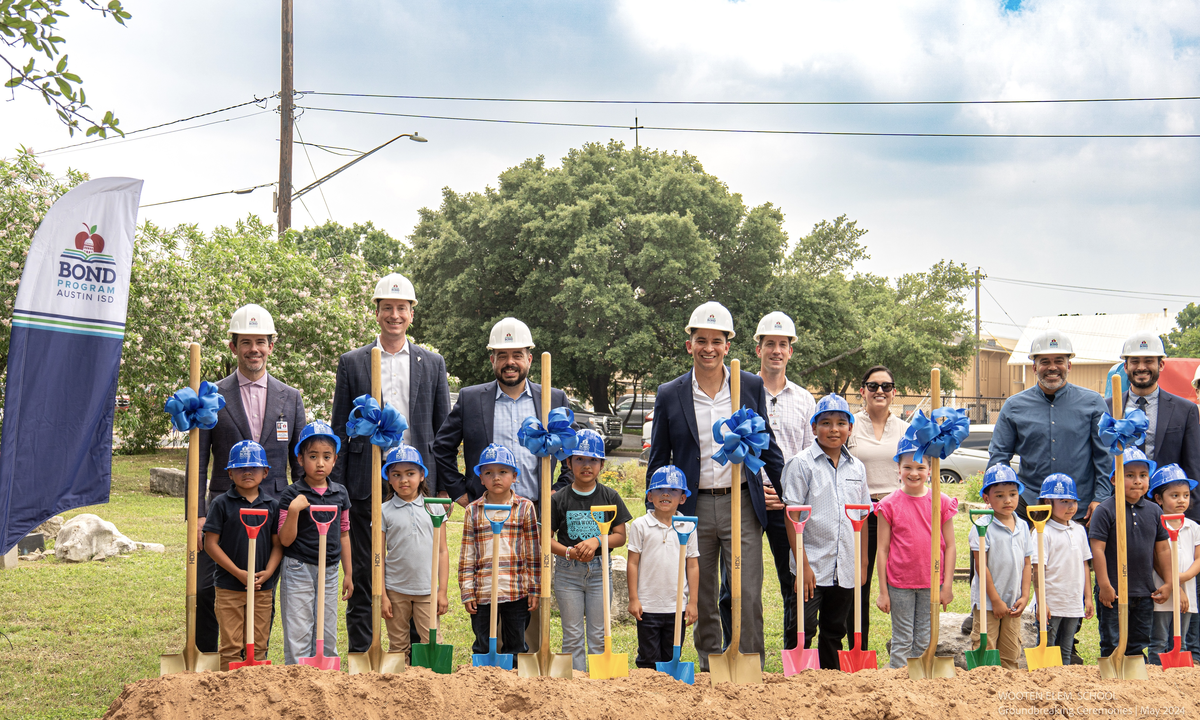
column 408, row 536
column 654, row 569
column 520, row 561
column 578, row 580
column 317, row 447
column 1009, row 549
column 1171, row 488
column 905, row 533
column 1147, row 548
column 1068, row 565
column 827, row 477
column 226, row 542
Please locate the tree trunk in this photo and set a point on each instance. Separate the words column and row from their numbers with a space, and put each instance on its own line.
column 598, row 389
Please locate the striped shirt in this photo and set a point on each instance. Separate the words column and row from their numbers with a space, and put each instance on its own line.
column 520, row 554
column 811, row 479
column 790, row 413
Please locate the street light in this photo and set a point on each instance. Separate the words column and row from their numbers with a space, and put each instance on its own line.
column 415, row 137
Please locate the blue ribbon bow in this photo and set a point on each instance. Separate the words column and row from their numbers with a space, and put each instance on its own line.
column 189, row 409
column 1120, row 434
column 746, row 438
column 559, row 439
column 938, row 440
column 384, row 426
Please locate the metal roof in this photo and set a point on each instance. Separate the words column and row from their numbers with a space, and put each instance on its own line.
column 1095, row 338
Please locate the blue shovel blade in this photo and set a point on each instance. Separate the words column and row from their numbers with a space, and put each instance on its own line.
column 681, row 671
column 492, row 659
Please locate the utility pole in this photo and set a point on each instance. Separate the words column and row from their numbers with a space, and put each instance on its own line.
column 284, row 216
column 636, row 126
column 978, row 394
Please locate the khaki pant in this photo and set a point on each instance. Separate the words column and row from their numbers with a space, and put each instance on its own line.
column 419, row 609
column 1003, row 635
column 231, row 616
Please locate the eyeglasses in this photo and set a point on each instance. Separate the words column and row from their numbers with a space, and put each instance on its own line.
column 886, row 387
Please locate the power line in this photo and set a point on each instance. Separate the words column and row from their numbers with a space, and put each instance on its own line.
column 255, row 101
column 1142, row 294
column 321, row 190
column 331, row 148
column 71, row 149
column 753, row 102
column 243, row 191
column 993, row 297
column 760, row 132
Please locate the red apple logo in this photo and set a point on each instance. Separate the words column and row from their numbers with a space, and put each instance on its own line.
column 88, row 241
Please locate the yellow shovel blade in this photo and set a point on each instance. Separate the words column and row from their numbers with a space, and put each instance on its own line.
column 393, row 662
column 1043, row 656
column 530, row 665
column 939, row 667
column 735, row 667
column 608, row 665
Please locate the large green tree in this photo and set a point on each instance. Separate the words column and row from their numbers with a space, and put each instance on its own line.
column 380, row 251
column 1184, row 340
column 603, row 257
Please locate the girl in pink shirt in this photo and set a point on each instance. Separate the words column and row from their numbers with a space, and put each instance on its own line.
column 905, row 532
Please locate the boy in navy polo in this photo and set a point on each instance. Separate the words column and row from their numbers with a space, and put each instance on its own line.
column 1147, row 549
column 226, row 542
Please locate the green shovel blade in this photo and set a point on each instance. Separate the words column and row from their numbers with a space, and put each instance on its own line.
column 438, row 658
column 982, row 656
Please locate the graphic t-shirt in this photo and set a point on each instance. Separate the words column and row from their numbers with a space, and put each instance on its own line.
column 571, row 517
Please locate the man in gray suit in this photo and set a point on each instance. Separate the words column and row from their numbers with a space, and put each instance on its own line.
column 258, row 407
column 414, row 382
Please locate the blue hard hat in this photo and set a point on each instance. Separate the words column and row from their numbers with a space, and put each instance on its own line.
column 906, row 446
column 1168, row 474
column 318, row 428
column 1058, row 486
column 497, row 455
column 591, row 444
column 997, row 474
column 247, row 454
column 1133, row 455
column 832, row 403
column 403, row 454
column 670, row 477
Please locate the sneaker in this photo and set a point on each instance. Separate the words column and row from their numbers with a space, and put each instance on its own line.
column 968, row 625
column 1075, row 659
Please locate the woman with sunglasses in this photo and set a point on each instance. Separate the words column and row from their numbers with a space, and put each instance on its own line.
column 873, row 440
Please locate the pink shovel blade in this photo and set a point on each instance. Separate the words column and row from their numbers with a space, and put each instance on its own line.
column 319, row 660
column 798, row 659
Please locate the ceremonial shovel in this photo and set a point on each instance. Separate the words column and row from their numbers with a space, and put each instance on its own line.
column 318, row 660
column 1041, row 656
column 607, row 664
column 798, row 658
column 682, row 671
column 372, row 659
column 438, row 658
column 492, row 658
column 1175, row 658
column 252, row 533
column 856, row 658
column 982, row 656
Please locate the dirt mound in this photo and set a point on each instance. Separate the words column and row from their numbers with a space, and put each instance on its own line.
column 304, row 693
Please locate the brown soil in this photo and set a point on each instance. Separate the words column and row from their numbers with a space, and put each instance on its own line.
column 304, row 693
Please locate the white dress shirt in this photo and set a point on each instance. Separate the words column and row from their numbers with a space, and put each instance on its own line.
column 708, row 412
column 790, row 413
column 394, row 376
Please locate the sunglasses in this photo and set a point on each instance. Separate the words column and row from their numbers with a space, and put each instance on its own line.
column 886, row 387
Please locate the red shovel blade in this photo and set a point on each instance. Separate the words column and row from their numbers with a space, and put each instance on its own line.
column 1175, row 658
column 797, row 659
column 319, row 660
column 249, row 661
column 857, row 659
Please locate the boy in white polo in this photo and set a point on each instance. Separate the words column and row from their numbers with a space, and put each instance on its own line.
column 1068, row 565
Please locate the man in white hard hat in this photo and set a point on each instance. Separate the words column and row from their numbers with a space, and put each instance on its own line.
column 492, row 412
column 414, row 382
column 1054, row 427
column 685, row 410
column 258, row 407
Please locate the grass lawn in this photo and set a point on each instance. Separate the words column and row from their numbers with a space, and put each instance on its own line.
column 80, row 632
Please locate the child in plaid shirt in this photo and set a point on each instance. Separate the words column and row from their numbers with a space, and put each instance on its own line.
column 520, row 559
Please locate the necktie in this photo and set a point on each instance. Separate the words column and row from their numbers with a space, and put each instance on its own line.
column 1141, row 405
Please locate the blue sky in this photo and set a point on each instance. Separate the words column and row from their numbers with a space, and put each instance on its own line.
column 1052, row 210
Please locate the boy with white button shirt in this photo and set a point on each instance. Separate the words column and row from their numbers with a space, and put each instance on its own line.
column 1068, row 567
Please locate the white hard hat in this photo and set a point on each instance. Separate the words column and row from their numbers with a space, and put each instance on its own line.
column 775, row 323
column 1143, row 344
column 1051, row 342
column 251, row 320
column 510, row 333
column 712, row 315
column 395, row 287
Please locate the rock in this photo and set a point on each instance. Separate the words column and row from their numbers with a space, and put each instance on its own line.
column 152, row 547
column 620, row 590
column 168, row 481
column 86, row 537
column 32, row 557
column 951, row 640
column 49, row 528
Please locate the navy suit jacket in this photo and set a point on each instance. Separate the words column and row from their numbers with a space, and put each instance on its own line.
column 675, row 441
column 1176, row 438
column 470, row 424
column 428, row 404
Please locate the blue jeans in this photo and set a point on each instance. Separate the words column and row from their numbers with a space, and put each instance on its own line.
column 1162, row 636
column 1141, row 621
column 1061, row 631
column 298, row 607
column 910, row 624
column 579, row 589
column 1192, row 641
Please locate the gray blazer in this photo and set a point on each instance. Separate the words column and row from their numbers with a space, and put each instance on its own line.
column 283, row 403
column 428, row 405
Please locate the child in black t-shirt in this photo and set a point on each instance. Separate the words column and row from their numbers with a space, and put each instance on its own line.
column 578, row 582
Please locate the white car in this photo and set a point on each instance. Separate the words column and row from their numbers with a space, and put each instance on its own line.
column 972, row 456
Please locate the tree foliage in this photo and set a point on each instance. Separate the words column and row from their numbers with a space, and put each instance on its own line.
column 381, row 251
column 33, row 24
column 1184, row 340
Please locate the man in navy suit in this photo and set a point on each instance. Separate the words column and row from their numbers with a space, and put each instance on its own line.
column 685, row 410
column 414, row 382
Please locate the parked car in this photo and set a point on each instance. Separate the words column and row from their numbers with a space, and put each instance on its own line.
column 608, row 426
column 972, row 456
column 633, row 412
